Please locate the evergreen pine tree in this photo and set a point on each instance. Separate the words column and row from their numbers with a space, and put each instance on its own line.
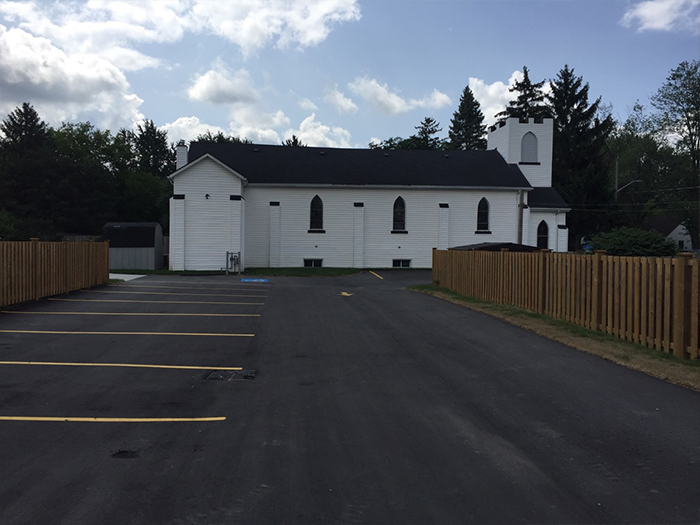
column 467, row 128
column 23, row 130
column 529, row 102
column 425, row 138
column 580, row 171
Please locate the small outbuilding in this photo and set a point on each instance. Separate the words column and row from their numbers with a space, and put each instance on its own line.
column 134, row 245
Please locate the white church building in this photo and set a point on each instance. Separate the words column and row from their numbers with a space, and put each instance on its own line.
column 282, row 206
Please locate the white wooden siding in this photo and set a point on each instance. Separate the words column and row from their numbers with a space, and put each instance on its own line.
column 508, row 141
column 337, row 246
column 176, row 257
column 212, row 223
column 558, row 238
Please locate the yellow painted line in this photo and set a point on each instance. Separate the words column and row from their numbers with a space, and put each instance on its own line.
column 191, row 284
column 128, row 313
column 174, row 293
column 122, row 365
column 57, row 332
column 376, row 275
column 114, row 419
column 150, row 302
column 231, row 287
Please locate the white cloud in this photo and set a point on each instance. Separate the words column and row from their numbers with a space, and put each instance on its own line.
column 391, row 103
column 62, row 86
column 493, row 98
column 110, row 27
column 187, row 128
column 340, row 102
column 379, row 95
column 313, row 133
column 252, row 24
column 102, row 27
column 307, row 105
column 664, row 15
column 222, row 86
column 256, row 125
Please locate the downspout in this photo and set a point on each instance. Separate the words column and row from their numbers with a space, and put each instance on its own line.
column 521, row 206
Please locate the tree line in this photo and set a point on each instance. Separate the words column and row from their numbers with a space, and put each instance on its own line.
column 75, row 178
column 611, row 173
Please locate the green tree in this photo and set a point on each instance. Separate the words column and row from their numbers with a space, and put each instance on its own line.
column 294, row 142
column 23, row 131
column 529, row 102
column 426, row 136
column 150, row 149
column 581, row 163
column 467, row 128
column 27, row 173
column 678, row 104
column 85, row 195
column 220, row 137
column 8, row 226
column 650, row 176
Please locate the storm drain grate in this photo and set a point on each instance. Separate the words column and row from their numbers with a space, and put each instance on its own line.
column 126, row 454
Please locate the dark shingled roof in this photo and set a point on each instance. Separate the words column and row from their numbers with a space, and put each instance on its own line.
column 546, row 198
column 662, row 224
column 130, row 234
column 264, row 164
column 496, row 247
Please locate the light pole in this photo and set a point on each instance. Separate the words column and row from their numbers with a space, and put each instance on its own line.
column 628, row 184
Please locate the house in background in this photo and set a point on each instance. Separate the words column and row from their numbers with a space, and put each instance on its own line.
column 672, row 229
column 281, row 206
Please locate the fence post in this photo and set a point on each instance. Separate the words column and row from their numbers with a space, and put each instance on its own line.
column 597, row 292
column 35, row 269
column 543, row 284
column 682, row 282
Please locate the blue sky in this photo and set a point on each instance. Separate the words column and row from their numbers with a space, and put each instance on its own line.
column 333, row 72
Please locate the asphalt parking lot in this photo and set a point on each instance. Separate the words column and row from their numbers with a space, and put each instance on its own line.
column 207, row 400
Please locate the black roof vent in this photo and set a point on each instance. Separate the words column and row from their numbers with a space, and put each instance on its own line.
column 386, row 154
column 321, row 152
column 255, row 150
column 447, row 156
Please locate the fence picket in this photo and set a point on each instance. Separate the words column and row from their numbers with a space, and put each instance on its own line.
column 32, row 270
column 651, row 301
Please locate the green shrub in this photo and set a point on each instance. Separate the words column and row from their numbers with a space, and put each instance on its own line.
column 634, row 242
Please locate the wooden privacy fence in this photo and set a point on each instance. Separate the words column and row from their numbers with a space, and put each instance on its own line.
column 32, row 270
column 647, row 300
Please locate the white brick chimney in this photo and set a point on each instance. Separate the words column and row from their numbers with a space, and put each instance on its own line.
column 181, row 159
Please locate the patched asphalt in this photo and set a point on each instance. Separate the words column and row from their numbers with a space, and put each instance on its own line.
column 357, row 402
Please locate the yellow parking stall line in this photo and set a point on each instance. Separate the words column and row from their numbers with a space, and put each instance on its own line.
column 134, row 314
column 122, row 365
column 195, row 284
column 150, row 302
column 61, row 332
column 245, row 287
column 114, row 419
column 173, row 293
column 376, row 275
